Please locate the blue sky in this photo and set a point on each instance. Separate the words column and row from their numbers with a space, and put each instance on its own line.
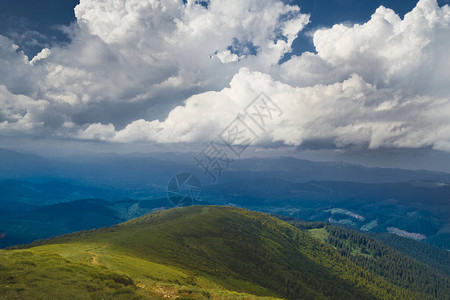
column 45, row 17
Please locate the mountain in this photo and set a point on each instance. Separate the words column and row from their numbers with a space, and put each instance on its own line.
column 211, row 252
column 153, row 170
column 409, row 203
column 379, row 258
column 415, row 209
column 57, row 219
column 299, row 170
column 50, row 191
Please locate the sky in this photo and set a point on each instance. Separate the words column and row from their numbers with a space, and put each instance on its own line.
column 341, row 76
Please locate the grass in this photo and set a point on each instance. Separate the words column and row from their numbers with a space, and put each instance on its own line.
column 189, row 253
column 319, row 233
column 322, row 234
column 29, row 274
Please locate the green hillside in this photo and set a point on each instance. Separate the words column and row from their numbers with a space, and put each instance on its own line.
column 436, row 257
column 197, row 253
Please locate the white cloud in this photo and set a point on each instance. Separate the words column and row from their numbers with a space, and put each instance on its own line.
column 41, row 55
column 150, row 55
column 164, row 71
column 386, row 51
column 15, row 71
column 22, row 114
column 350, row 113
column 168, row 39
column 227, row 57
column 98, row 132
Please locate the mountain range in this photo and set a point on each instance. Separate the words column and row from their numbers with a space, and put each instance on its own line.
column 43, row 197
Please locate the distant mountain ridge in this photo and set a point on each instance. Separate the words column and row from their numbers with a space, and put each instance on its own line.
column 417, row 208
column 137, row 170
column 57, row 219
column 413, row 202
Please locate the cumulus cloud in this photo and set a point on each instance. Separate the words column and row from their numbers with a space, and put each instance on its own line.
column 170, row 41
column 408, row 54
column 131, row 59
column 41, row 55
column 15, row 71
column 349, row 113
column 168, row 71
column 19, row 113
column 151, row 55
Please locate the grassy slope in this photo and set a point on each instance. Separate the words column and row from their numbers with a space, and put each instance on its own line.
column 195, row 252
column 28, row 274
